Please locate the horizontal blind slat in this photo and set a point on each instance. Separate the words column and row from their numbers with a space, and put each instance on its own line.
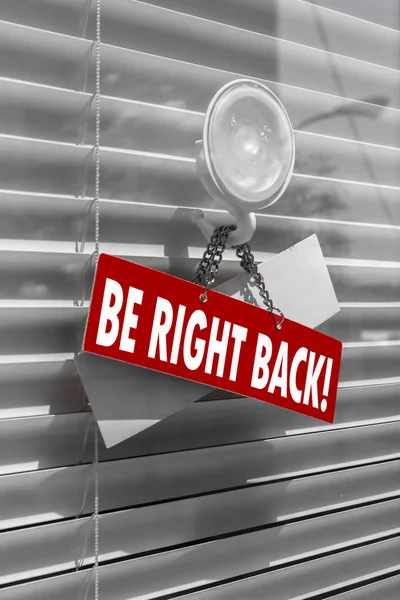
column 388, row 589
column 49, row 495
column 58, row 16
column 136, row 229
column 167, row 33
column 123, row 535
column 58, row 275
column 361, row 360
column 42, row 388
column 301, row 22
column 306, row 198
column 42, row 57
column 366, row 11
column 39, row 389
column 306, row 578
column 292, row 20
column 319, row 155
column 47, row 330
column 369, row 362
column 175, row 39
column 313, row 579
column 68, row 438
column 65, row 435
column 39, row 111
column 59, row 168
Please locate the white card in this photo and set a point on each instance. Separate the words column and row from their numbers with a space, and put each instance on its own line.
column 126, row 399
column 298, row 282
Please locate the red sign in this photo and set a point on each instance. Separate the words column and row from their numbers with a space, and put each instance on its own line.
column 156, row 321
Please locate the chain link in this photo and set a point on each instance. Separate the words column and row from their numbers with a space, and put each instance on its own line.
column 209, row 266
column 248, row 263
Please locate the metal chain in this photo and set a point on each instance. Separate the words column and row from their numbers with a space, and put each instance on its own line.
column 248, row 263
column 209, row 266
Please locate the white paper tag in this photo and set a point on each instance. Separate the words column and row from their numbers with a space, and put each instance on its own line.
column 298, row 282
column 127, row 399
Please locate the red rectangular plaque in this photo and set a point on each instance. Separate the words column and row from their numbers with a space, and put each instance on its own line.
column 157, row 321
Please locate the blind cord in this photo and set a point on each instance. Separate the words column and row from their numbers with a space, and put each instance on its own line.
column 97, row 140
column 97, row 253
column 96, row 203
column 96, row 513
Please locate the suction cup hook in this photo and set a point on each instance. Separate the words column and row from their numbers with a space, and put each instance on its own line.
column 245, row 159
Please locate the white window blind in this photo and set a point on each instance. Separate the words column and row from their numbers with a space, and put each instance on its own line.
column 229, row 498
